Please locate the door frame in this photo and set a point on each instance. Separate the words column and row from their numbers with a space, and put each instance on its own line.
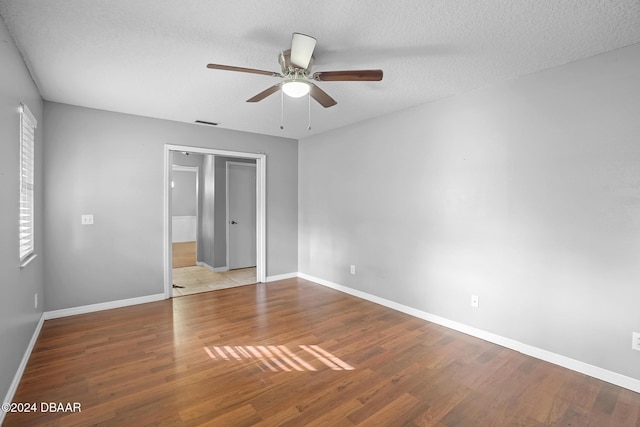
column 261, row 186
column 227, row 164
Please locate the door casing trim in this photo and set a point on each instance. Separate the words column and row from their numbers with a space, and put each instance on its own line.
column 261, row 185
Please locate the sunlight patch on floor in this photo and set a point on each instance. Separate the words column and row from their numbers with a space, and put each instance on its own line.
column 280, row 357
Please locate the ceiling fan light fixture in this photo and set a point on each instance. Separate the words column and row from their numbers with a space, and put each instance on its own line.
column 296, row 88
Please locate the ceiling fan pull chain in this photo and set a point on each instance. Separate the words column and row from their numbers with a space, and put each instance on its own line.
column 281, row 110
column 309, row 105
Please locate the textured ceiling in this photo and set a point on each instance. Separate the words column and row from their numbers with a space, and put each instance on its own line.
column 148, row 57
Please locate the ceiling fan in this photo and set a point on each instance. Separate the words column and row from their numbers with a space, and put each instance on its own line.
column 296, row 73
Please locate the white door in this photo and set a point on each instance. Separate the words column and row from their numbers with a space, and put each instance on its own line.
column 241, row 215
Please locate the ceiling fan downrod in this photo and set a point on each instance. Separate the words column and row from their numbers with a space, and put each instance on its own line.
column 281, row 110
column 309, row 106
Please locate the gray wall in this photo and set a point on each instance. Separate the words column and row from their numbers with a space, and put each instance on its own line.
column 526, row 194
column 111, row 165
column 207, row 218
column 18, row 317
column 183, row 193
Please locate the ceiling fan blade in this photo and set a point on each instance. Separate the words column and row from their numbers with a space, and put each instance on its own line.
column 262, row 95
column 302, row 47
column 242, row 70
column 349, row 76
column 321, row 96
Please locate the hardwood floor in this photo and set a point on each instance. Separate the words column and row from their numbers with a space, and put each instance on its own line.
column 280, row 355
column 183, row 254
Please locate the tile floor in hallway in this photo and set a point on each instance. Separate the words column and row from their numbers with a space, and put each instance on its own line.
column 198, row 279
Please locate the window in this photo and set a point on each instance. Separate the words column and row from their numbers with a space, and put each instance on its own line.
column 28, row 125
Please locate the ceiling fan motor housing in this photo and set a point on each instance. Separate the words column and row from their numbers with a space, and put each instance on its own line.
column 288, row 69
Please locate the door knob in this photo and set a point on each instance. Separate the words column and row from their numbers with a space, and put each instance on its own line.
column 233, row 222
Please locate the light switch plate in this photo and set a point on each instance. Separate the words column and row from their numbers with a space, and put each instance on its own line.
column 86, row 219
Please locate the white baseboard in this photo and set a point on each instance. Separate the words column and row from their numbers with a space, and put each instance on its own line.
column 282, row 277
column 548, row 356
column 205, row 265
column 101, row 306
column 214, row 269
column 23, row 364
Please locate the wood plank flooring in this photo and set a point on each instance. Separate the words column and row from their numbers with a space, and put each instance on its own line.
column 279, row 355
column 183, row 254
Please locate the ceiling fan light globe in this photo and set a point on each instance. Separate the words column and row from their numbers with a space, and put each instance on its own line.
column 296, row 89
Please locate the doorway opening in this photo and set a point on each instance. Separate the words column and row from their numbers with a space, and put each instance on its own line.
column 184, row 214
column 215, row 266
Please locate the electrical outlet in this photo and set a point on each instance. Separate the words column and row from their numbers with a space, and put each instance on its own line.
column 475, row 301
column 635, row 344
column 86, row 219
column 35, row 300
column 352, row 269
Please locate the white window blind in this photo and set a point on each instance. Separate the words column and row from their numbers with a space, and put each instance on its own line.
column 28, row 125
